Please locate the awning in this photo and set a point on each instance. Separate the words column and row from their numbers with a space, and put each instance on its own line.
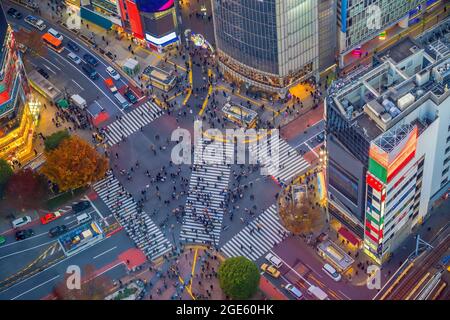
column 349, row 236
column 272, row 292
column 63, row 104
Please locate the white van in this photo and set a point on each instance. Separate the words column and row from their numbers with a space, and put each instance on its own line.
column 123, row 102
column 55, row 33
column 274, row 260
column 82, row 218
column 330, row 271
column 20, row 222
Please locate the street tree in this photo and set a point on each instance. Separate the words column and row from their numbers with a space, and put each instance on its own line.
column 52, row 141
column 26, row 189
column 32, row 40
column 92, row 286
column 239, row 277
column 302, row 216
column 5, row 172
column 73, row 164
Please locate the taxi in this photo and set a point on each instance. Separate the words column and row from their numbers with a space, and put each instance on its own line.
column 270, row 270
column 49, row 217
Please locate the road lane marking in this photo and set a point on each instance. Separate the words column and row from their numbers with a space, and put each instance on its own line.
column 21, row 241
column 51, row 63
column 306, row 143
column 77, row 84
column 34, row 288
column 98, row 211
column 49, row 69
column 89, row 79
column 104, row 252
column 32, row 248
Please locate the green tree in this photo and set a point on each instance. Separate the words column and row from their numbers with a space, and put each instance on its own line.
column 52, row 141
column 239, row 277
column 5, row 173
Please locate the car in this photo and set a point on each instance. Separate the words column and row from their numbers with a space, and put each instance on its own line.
column 35, row 22
column 90, row 59
column 73, row 46
column 90, row 71
column 320, row 137
column 274, row 260
column 113, row 73
column 110, row 84
column 57, row 231
column 130, row 96
column 51, row 216
column 331, row 272
column 14, row 13
column 74, row 58
column 2, row 240
column 294, row 291
column 43, row 73
column 24, row 234
column 270, row 270
column 20, row 222
column 81, row 206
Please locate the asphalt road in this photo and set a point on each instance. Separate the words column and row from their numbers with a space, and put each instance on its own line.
column 102, row 254
column 58, row 66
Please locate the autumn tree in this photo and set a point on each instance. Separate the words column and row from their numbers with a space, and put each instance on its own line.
column 92, row 286
column 32, row 40
column 73, row 164
column 301, row 215
column 26, row 189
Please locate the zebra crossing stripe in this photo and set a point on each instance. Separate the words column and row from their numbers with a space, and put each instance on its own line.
column 206, row 196
column 132, row 122
column 145, row 234
column 254, row 244
column 290, row 165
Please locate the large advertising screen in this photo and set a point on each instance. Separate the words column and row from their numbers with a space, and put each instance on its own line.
column 154, row 5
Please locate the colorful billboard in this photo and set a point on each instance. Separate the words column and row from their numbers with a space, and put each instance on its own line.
column 154, row 5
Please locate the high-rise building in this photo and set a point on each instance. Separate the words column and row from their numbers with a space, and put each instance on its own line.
column 363, row 25
column 270, row 44
column 152, row 21
column 388, row 143
column 16, row 120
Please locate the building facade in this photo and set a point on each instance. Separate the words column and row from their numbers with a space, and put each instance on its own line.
column 388, row 141
column 270, row 45
column 16, row 120
column 361, row 21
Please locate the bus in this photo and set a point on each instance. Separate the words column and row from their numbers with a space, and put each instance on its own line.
column 52, row 42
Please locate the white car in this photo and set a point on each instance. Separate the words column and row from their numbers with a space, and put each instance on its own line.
column 294, row 291
column 20, row 222
column 113, row 73
column 274, row 260
column 331, row 272
column 75, row 59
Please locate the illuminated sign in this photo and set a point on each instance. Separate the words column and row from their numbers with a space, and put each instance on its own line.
column 154, row 5
column 171, row 37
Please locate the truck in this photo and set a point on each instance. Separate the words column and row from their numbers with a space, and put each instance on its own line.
column 318, row 293
column 78, row 101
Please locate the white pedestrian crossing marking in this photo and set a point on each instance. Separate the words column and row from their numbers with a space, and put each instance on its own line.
column 132, row 122
column 206, row 198
column 138, row 225
column 290, row 163
column 257, row 238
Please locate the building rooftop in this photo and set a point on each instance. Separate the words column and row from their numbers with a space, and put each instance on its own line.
column 374, row 99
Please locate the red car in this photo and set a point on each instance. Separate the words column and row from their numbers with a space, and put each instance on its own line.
column 49, row 217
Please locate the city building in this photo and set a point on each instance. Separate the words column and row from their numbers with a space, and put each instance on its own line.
column 388, row 143
column 363, row 25
column 18, row 115
column 154, row 22
column 269, row 45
